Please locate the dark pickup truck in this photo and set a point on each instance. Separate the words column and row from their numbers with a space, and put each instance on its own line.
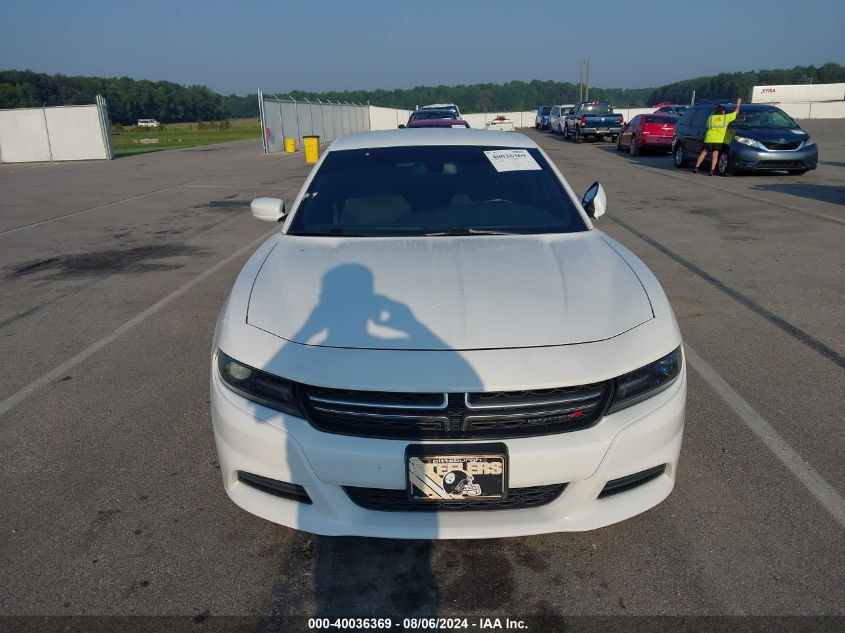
column 592, row 119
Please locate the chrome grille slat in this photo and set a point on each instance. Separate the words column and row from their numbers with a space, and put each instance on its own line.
column 529, row 414
column 379, row 405
column 537, row 402
column 384, row 416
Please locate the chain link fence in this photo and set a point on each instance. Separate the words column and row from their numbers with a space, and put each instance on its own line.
column 287, row 118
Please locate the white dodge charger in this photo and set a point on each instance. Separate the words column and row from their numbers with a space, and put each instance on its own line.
column 438, row 343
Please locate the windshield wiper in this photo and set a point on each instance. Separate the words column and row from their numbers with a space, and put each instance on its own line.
column 464, row 230
column 329, row 233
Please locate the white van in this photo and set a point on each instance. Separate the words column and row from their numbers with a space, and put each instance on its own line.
column 148, row 123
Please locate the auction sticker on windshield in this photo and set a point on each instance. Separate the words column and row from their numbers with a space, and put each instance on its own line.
column 512, row 160
column 461, row 476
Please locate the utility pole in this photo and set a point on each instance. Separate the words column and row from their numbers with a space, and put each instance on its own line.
column 584, row 81
column 587, row 82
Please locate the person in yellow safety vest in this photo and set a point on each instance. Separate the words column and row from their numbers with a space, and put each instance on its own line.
column 717, row 127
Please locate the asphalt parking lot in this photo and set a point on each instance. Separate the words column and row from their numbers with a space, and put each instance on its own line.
column 113, row 273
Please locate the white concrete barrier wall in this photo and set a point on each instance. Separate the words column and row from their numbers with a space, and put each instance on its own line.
column 818, row 110
column 55, row 133
column 75, row 133
column 390, row 118
column 23, row 136
column 387, row 118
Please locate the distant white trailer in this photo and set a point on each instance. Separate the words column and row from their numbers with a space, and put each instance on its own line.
column 798, row 93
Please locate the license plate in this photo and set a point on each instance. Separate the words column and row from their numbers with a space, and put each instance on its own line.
column 457, row 473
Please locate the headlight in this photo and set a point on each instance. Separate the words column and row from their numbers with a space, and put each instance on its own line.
column 646, row 382
column 258, row 386
column 748, row 141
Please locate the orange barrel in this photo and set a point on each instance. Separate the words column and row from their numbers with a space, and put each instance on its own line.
column 311, row 144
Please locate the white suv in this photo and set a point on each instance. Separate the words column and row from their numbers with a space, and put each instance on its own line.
column 148, row 123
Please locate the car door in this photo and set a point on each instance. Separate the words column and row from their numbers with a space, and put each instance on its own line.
column 628, row 131
column 695, row 131
column 554, row 118
column 567, row 121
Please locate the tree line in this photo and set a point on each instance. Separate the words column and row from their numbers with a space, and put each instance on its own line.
column 130, row 99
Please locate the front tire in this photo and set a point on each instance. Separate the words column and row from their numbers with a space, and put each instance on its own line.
column 619, row 143
column 723, row 166
column 679, row 156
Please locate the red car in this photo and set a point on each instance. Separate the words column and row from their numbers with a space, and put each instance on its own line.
column 435, row 118
column 647, row 131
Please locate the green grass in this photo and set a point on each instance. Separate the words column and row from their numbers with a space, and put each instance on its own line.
column 126, row 139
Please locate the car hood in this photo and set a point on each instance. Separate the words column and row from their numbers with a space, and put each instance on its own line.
column 447, row 293
column 771, row 135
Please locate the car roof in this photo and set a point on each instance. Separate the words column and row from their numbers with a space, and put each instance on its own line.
column 448, row 111
column 410, row 137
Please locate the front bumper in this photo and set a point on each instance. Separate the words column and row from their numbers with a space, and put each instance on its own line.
column 744, row 157
column 264, row 442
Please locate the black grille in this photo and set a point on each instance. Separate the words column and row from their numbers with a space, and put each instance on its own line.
column 780, row 164
column 384, row 500
column 776, row 146
column 455, row 415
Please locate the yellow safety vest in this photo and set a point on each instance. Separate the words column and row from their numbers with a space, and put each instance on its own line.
column 717, row 127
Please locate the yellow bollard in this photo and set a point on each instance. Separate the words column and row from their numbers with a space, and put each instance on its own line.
column 311, row 144
column 290, row 145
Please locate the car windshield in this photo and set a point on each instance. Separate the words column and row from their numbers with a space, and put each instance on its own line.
column 775, row 119
column 661, row 119
column 598, row 108
column 429, row 115
column 545, row 110
column 435, row 190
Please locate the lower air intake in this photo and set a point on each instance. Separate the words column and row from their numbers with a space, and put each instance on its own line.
column 623, row 484
column 283, row 489
column 384, row 500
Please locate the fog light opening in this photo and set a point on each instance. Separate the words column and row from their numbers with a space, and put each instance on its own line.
column 629, row 482
column 293, row 492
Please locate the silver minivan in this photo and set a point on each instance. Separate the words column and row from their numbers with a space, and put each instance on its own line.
column 556, row 117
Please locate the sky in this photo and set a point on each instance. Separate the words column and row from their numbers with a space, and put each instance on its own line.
column 238, row 47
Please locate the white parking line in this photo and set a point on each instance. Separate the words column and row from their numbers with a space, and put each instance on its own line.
column 58, row 371
column 817, row 485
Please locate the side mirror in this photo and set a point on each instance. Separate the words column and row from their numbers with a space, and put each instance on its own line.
column 268, row 209
column 594, row 200
column 401, row 126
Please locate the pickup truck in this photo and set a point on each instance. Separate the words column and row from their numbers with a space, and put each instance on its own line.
column 592, row 119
